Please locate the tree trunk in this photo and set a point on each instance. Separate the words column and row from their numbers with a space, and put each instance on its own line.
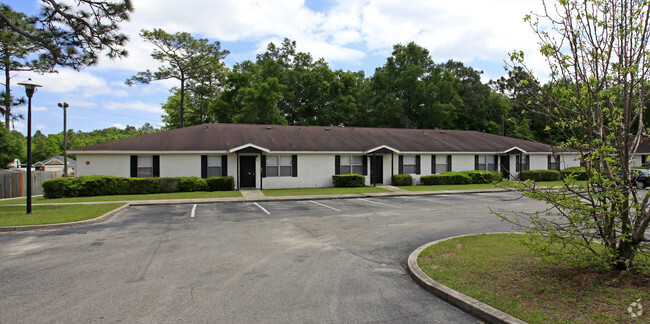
column 7, row 94
column 181, row 111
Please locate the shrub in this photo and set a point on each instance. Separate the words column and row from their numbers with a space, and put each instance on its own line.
column 539, row 175
column 188, row 184
column 220, row 183
column 402, row 180
column 446, row 178
column 579, row 173
column 348, row 180
column 481, row 176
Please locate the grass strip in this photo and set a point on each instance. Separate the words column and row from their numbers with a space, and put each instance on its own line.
column 15, row 215
column 161, row 196
column 321, row 191
column 499, row 271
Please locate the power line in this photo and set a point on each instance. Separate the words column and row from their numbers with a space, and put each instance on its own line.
column 114, row 114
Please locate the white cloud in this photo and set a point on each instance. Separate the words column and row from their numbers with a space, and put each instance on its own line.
column 118, row 125
column 138, row 106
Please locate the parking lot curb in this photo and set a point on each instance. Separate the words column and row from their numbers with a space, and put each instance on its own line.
column 69, row 224
column 479, row 309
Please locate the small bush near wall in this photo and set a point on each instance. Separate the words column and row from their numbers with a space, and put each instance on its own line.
column 109, row 185
column 579, row 173
column 402, row 180
column 221, row 183
column 348, row 180
column 446, row 178
column 539, row 175
column 480, row 176
column 188, row 184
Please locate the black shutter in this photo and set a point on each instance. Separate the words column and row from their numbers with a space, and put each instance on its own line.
column 337, row 164
column 204, row 166
column 449, row 163
column 134, row 166
column 433, row 164
column 548, row 163
column 365, row 164
column 644, row 158
column 263, row 165
column 294, row 165
column 400, row 169
column 156, row 165
column 475, row 162
column 224, row 165
column 417, row 164
column 496, row 163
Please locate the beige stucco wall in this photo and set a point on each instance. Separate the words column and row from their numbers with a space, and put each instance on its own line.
column 115, row 165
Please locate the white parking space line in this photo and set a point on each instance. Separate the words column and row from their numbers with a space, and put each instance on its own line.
column 319, row 204
column 262, row 208
column 376, row 202
column 431, row 200
column 193, row 211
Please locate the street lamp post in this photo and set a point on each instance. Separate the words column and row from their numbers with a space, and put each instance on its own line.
column 30, row 88
column 64, row 105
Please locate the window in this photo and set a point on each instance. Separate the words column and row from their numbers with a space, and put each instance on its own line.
column 352, row 164
column 278, row 166
column 214, row 166
column 145, row 166
column 442, row 163
column 409, row 164
column 485, row 162
column 523, row 163
column 553, row 162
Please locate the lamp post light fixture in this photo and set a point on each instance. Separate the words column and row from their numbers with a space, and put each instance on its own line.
column 30, row 88
column 64, row 105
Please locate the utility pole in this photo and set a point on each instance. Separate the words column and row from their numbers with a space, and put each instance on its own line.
column 64, row 105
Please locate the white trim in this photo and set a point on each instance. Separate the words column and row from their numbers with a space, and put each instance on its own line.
column 382, row 147
column 514, row 148
column 146, row 152
column 234, row 150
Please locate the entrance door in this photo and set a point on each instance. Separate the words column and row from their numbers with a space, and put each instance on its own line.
column 377, row 169
column 247, row 171
column 505, row 166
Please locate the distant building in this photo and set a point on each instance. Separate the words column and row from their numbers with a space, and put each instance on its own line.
column 55, row 163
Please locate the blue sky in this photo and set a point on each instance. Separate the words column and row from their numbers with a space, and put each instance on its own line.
column 351, row 35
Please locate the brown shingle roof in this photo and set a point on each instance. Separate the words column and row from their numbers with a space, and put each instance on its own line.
column 224, row 137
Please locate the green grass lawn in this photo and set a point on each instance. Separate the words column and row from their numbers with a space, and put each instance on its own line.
column 173, row 195
column 15, row 215
column 321, row 191
column 450, row 187
column 499, row 271
column 558, row 183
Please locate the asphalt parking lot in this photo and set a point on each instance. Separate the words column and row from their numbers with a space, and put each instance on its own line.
column 325, row 261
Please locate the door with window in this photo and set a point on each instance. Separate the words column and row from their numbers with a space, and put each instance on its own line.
column 247, row 171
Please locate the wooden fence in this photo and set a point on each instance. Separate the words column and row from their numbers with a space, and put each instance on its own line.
column 12, row 183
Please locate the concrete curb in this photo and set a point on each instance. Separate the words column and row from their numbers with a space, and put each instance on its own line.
column 462, row 301
column 59, row 225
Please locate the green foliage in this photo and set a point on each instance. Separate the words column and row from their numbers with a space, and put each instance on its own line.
column 539, row 175
column 188, row 184
column 464, row 177
column 72, row 35
column 348, row 180
column 577, row 173
column 402, row 180
column 96, row 185
column 11, row 146
column 221, row 183
column 446, row 178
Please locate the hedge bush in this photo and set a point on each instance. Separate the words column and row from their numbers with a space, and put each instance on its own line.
column 97, row 185
column 446, row 178
column 580, row 173
column 481, row 176
column 221, row 183
column 402, row 180
column 539, row 175
column 189, row 184
column 348, row 180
